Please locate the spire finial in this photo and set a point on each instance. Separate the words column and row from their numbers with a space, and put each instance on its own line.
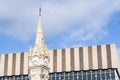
column 40, row 11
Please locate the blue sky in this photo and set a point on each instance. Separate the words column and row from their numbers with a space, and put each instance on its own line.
column 66, row 23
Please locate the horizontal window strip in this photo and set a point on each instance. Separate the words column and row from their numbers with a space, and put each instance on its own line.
column 16, row 77
column 100, row 74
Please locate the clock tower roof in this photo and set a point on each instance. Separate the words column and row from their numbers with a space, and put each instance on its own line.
column 39, row 49
column 39, row 37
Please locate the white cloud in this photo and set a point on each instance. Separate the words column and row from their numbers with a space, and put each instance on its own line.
column 77, row 20
column 18, row 20
column 82, row 20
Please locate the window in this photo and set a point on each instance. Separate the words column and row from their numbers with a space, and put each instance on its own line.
column 18, row 77
column 107, row 74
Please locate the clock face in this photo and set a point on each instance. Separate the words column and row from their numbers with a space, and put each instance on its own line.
column 35, row 60
column 46, row 62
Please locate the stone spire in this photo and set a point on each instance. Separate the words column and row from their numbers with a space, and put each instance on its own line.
column 39, row 58
column 39, row 38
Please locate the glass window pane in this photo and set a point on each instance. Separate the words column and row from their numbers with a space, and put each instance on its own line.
column 89, row 75
column 66, row 76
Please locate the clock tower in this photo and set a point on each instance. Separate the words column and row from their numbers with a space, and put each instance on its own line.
column 38, row 57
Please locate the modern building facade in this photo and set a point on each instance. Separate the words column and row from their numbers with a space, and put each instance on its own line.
column 100, row 62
